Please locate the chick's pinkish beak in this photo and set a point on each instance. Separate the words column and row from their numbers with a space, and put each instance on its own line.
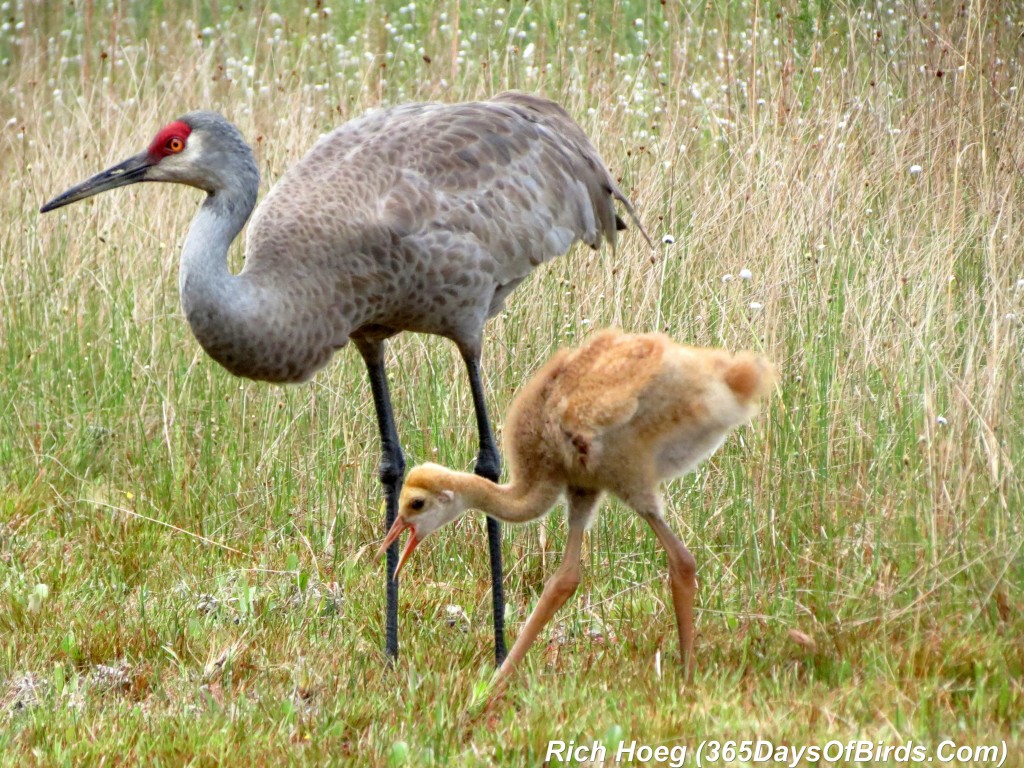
column 396, row 531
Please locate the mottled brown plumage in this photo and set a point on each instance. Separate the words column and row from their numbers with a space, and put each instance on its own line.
column 618, row 415
column 420, row 217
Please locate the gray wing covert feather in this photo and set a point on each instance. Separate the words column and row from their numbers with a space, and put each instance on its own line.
column 523, row 190
column 600, row 184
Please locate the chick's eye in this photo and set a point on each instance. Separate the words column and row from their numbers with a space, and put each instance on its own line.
column 417, row 504
column 175, row 144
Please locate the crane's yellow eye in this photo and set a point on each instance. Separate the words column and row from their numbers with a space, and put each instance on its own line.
column 175, row 144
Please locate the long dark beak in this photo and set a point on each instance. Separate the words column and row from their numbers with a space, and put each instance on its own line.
column 396, row 531
column 131, row 171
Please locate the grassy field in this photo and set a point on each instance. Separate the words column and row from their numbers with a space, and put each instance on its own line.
column 186, row 571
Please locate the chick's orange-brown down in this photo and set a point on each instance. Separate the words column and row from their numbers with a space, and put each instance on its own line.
column 618, row 415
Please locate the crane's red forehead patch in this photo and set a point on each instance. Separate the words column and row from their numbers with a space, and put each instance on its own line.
column 178, row 129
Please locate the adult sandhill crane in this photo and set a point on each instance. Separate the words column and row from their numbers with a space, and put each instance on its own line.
column 618, row 415
column 420, row 217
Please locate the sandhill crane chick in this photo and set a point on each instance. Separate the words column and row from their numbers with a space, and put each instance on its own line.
column 618, row 415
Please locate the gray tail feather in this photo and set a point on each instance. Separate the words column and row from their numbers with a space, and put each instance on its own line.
column 617, row 194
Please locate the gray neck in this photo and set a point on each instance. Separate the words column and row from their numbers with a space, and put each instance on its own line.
column 218, row 305
column 204, row 281
column 211, row 297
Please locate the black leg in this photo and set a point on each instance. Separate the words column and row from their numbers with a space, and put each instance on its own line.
column 488, row 465
column 392, row 470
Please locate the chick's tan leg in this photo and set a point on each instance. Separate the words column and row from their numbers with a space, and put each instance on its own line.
column 562, row 584
column 682, row 570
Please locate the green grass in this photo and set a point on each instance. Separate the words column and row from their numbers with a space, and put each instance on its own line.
column 186, row 572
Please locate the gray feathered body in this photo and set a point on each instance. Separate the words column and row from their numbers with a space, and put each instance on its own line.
column 421, row 217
